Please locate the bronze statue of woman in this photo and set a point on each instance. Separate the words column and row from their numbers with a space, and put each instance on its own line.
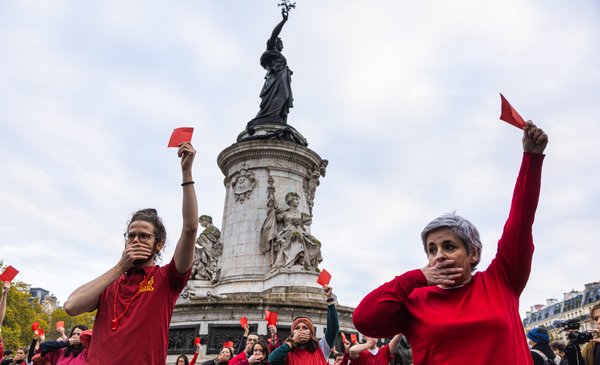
column 276, row 95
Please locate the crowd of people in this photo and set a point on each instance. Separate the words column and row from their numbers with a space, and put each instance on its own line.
column 441, row 309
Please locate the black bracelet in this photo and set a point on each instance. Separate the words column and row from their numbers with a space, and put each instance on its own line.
column 187, row 183
column 330, row 300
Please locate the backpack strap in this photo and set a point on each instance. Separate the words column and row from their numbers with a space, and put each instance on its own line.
column 541, row 354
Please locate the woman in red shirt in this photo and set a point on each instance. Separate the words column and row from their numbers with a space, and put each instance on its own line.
column 448, row 314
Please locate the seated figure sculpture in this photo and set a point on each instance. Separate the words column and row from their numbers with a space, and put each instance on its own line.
column 295, row 245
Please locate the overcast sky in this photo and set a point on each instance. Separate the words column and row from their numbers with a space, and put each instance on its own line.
column 402, row 97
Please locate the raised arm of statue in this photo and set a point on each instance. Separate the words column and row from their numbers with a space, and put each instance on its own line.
column 271, row 44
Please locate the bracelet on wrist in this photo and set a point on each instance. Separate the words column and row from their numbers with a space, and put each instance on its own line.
column 187, row 183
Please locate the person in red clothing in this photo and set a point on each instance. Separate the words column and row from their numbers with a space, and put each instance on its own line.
column 369, row 354
column 449, row 314
column 248, row 342
column 5, row 288
column 260, row 354
column 135, row 298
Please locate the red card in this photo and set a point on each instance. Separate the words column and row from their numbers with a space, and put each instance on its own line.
column 35, row 326
column 334, row 349
column 197, row 341
column 226, row 344
column 40, row 332
column 353, row 338
column 510, row 115
column 324, row 278
column 344, row 337
column 230, row 344
column 9, row 274
column 244, row 321
column 60, row 324
column 180, row 135
column 271, row 318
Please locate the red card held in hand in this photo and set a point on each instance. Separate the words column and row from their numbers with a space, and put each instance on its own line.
column 197, row 341
column 40, row 332
column 35, row 326
column 353, row 338
column 271, row 318
column 324, row 278
column 60, row 324
column 180, row 135
column 510, row 115
column 244, row 321
column 230, row 344
column 9, row 274
column 344, row 337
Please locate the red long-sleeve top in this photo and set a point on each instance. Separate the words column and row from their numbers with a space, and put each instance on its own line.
column 477, row 323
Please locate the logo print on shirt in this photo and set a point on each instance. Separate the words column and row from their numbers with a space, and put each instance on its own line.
column 148, row 286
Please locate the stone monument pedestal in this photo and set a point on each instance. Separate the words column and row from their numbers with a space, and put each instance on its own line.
column 267, row 257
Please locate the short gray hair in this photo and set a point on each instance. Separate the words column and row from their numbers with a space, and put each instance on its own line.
column 461, row 228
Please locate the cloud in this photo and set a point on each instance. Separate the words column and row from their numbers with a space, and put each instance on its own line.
column 402, row 98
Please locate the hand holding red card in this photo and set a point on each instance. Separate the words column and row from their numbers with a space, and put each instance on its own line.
column 40, row 332
column 35, row 326
column 180, row 135
column 60, row 324
column 244, row 322
column 353, row 338
column 197, row 341
column 510, row 115
column 9, row 274
column 230, row 344
column 324, row 278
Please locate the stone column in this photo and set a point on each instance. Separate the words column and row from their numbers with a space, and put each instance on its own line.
column 250, row 169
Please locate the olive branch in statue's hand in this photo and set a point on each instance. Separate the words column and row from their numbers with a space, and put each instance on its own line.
column 286, row 6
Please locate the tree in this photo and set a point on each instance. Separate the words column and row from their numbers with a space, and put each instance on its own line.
column 59, row 314
column 20, row 315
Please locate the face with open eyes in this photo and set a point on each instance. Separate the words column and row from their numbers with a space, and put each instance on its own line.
column 442, row 245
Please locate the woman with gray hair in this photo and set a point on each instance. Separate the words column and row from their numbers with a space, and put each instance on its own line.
column 450, row 314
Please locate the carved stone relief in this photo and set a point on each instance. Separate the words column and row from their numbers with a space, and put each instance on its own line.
column 243, row 183
column 284, row 236
column 206, row 264
column 218, row 334
column 312, row 181
column 181, row 339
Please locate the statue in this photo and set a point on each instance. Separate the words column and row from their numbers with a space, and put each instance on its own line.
column 206, row 258
column 291, row 245
column 276, row 95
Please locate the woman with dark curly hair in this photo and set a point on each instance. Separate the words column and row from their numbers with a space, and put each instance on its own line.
column 69, row 352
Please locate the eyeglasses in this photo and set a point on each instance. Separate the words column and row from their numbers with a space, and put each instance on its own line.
column 143, row 237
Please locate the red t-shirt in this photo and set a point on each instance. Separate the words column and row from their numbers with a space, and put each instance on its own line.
column 142, row 334
column 465, row 325
column 381, row 358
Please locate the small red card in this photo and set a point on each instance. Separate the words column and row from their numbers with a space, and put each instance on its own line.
column 344, row 337
column 353, row 338
column 271, row 318
column 510, row 115
column 40, row 332
column 35, row 326
column 244, row 321
column 334, row 349
column 324, row 278
column 9, row 274
column 226, row 344
column 230, row 344
column 180, row 135
column 60, row 324
column 197, row 341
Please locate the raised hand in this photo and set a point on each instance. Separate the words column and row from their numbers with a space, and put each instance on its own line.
column 328, row 291
column 246, row 330
column 347, row 346
column 187, row 153
column 534, row 138
column 442, row 273
column 5, row 287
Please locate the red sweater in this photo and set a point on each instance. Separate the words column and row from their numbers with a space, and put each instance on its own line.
column 477, row 323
